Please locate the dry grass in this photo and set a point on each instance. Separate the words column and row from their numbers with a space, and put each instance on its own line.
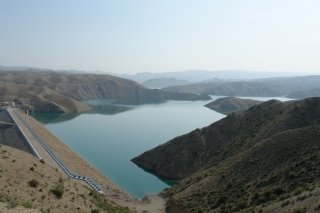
column 16, row 190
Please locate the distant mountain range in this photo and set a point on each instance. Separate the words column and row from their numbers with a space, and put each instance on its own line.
column 294, row 87
column 193, row 76
column 226, row 83
column 158, row 83
column 204, row 75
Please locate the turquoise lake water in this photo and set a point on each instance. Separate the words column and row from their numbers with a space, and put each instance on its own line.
column 115, row 131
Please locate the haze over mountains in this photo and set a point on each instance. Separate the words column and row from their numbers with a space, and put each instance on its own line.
column 269, row 87
column 189, row 75
column 163, row 82
column 226, row 82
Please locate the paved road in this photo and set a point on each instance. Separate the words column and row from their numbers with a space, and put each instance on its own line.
column 40, row 151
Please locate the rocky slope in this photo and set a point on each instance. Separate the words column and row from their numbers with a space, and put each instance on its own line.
column 266, row 158
column 58, row 92
column 228, row 105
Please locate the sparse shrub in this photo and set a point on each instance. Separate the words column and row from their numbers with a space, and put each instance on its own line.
column 95, row 211
column 284, row 196
column 256, row 194
column 32, row 168
column 297, row 191
column 42, row 161
column 285, row 203
column 262, row 199
column 58, row 192
column 241, row 205
column 299, row 210
column 33, row 183
column 278, row 190
column 292, row 175
column 302, row 197
column 27, row 205
column 12, row 203
column 221, row 200
column 267, row 193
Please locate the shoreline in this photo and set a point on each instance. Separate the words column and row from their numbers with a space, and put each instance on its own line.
column 78, row 165
column 72, row 160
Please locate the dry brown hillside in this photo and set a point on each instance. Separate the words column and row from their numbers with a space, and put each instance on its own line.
column 28, row 182
column 60, row 92
column 266, row 157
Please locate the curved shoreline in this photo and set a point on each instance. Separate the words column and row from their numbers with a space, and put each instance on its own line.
column 78, row 165
column 74, row 161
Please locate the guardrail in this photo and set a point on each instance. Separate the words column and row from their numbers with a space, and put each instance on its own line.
column 63, row 167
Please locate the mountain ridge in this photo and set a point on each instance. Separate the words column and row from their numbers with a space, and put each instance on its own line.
column 59, row 92
column 250, row 161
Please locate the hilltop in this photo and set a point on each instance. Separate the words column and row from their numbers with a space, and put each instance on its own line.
column 264, row 159
column 60, row 92
column 228, row 105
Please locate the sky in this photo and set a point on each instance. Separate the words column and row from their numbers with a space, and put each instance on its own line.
column 161, row 36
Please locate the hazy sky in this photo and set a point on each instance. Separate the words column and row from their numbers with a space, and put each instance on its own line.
column 160, row 36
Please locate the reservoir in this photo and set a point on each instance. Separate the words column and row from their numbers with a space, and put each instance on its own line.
column 116, row 130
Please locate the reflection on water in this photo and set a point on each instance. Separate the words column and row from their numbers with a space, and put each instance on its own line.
column 139, row 101
column 98, row 106
column 165, row 180
column 114, row 131
column 47, row 118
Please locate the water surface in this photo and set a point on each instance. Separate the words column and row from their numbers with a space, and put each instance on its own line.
column 117, row 130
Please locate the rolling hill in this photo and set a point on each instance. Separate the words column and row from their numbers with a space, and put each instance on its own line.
column 263, row 159
column 305, row 94
column 228, row 105
column 60, row 92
